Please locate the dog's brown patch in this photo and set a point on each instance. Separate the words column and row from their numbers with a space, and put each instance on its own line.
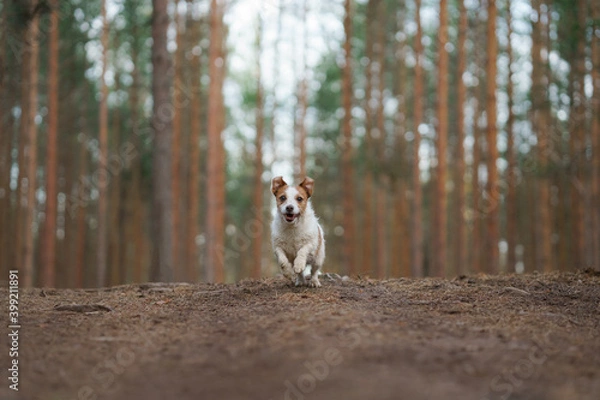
column 307, row 185
column 301, row 198
column 277, row 185
column 280, row 195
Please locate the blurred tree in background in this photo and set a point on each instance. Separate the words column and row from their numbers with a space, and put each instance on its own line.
column 445, row 137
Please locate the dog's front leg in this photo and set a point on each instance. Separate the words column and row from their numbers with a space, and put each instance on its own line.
column 300, row 261
column 284, row 264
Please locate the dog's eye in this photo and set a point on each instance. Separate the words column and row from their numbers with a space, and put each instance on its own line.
column 299, row 199
column 282, row 198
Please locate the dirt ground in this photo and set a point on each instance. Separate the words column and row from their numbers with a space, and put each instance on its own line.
column 507, row 337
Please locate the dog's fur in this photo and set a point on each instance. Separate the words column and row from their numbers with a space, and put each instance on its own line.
column 296, row 235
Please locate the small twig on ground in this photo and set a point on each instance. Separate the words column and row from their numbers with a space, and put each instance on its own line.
column 210, row 291
column 82, row 308
column 113, row 339
column 515, row 290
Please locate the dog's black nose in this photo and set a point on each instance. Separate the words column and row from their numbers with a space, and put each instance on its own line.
column 289, row 208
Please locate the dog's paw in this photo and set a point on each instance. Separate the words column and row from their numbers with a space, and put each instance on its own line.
column 299, row 281
column 287, row 270
column 298, row 268
column 314, row 282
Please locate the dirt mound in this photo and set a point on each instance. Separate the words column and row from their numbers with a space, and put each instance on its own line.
column 507, row 337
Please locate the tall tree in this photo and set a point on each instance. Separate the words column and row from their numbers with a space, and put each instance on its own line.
column 382, row 184
column 491, row 188
column 103, row 158
column 115, row 240
column 347, row 168
column 5, row 153
column 551, row 156
column 137, row 236
column 511, row 178
column 577, row 130
column 28, row 135
column 215, row 191
column 162, row 262
column 80, row 238
column 417, row 214
column 194, row 176
column 49, row 235
column 440, row 198
column 368, row 209
column 178, row 111
column 476, row 254
column 540, row 126
column 400, row 227
column 475, row 245
column 595, row 106
column 258, row 162
column 459, row 212
column 78, row 189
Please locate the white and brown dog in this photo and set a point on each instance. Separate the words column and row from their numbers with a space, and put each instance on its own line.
column 296, row 234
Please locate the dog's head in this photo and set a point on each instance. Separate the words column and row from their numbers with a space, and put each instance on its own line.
column 291, row 200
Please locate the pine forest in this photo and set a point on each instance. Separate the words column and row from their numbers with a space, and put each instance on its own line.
column 138, row 138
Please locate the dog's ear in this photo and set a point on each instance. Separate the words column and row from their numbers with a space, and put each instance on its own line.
column 277, row 183
column 308, row 184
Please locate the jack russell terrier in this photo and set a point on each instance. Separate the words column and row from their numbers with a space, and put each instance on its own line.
column 296, row 235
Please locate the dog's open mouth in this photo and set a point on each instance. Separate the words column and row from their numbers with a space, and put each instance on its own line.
column 290, row 217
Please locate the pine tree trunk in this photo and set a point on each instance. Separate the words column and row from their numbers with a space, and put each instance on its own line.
column 440, row 198
column 49, row 230
column 511, row 179
column 381, row 242
column 215, row 215
column 549, row 156
column 459, row 212
column 577, row 128
column 136, row 206
column 475, row 254
column 79, row 261
column 348, row 253
column 103, row 176
column 194, row 176
column 382, row 181
column 124, row 228
column 21, row 138
column 80, row 188
column 5, row 158
column 399, row 245
column 178, row 106
column 491, row 188
column 114, row 208
column 416, row 218
column 595, row 107
column 29, row 136
column 66, row 246
column 162, row 262
column 541, row 129
column 368, row 212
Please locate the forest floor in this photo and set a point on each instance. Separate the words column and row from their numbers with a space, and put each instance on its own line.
column 478, row 337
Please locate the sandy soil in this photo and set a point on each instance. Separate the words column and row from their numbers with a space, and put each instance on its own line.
column 507, row 337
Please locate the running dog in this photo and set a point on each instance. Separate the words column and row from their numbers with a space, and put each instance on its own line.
column 296, row 235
